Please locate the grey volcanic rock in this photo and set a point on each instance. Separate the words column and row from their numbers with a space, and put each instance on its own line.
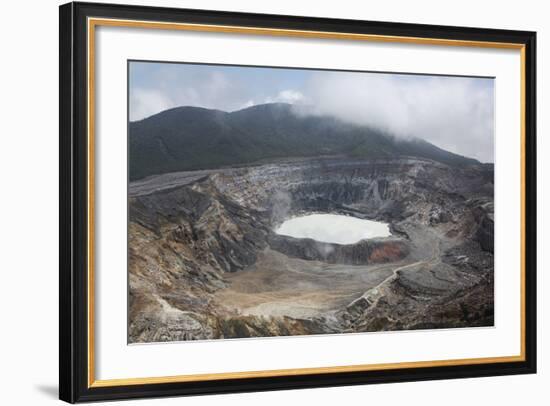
column 486, row 230
column 208, row 222
column 361, row 253
column 486, row 233
column 204, row 261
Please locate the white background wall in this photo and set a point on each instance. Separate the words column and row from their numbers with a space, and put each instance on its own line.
column 28, row 204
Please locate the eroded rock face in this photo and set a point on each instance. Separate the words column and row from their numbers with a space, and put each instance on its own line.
column 372, row 251
column 486, row 229
column 196, row 240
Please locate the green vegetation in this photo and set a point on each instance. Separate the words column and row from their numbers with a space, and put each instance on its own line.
column 191, row 138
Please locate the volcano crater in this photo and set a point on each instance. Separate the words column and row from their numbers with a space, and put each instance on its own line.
column 210, row 238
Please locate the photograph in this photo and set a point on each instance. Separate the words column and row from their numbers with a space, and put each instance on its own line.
column 285, row 201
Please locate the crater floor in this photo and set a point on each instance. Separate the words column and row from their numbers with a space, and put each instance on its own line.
column 277, row 285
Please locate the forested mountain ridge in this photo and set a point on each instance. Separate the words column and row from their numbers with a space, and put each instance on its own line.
column 192, row 138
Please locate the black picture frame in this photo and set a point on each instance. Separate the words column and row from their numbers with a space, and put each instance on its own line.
column 74, row 199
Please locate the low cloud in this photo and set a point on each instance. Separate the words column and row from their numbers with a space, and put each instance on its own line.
column 146, row 102
column 287, row 96
column 456, row 114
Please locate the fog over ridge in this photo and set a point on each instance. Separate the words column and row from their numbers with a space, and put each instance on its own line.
column 453, row 113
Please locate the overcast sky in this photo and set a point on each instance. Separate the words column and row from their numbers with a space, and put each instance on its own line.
column 456, row 114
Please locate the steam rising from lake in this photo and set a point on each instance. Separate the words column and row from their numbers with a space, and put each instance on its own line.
column 333, row 228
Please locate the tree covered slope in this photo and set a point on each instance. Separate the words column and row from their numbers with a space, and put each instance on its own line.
column 190, row 138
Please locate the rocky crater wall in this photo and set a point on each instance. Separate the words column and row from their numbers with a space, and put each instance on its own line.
column 364, row 252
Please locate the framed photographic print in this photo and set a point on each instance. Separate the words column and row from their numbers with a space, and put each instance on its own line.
column 257, row 202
